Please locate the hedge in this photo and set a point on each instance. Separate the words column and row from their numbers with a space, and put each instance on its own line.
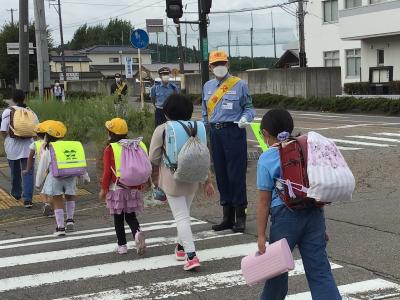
column 362, row 88
column 333, row 104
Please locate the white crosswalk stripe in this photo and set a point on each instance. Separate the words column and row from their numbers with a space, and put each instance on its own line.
column 29, row 251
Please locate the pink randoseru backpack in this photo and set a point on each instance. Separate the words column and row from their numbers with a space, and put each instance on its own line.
column 276, row 260
column 135, row 164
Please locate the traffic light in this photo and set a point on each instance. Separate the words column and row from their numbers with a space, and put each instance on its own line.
column 206, row 6
column 174, row 9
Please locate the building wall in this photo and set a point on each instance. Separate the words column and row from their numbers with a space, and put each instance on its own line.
column 321, row 37
column 104, row 59
column 391, row 47
column 76, row 66
column 101, row 86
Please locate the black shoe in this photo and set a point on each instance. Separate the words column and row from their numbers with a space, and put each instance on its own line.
column 240, row 224
column 70, row 225
column 28, row 204
column 228, row 219
column 59, row 231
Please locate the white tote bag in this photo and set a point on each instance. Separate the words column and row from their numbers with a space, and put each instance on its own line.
column 330, row 178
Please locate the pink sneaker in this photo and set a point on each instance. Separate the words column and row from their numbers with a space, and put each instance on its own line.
column 140, row 242
column 191, row 264
column 121, row 249
column 179, row 254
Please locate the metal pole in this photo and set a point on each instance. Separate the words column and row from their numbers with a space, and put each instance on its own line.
column 42, row 51
column 180, row 52
column 302, row 52
column 141, row 80
column 203, row 46
column 62, row 46
column 184, row 52
column 251, row 41
column 23, row 46
column 229, row 37
column 273, row 33
column 166, row 40
column 158, row 49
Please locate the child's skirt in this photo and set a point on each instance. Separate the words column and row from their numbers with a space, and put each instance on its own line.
column 124, row 200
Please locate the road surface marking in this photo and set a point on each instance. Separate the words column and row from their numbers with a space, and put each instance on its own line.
column 350, row 126
column 388, row 134
column 360, row 143
column 86, row 231
column 184, row 286
column 95, row 235
column 100, row 249
column 322, row 115
column 372, row 138
column 364, row 290
column 117, row 268
column 348, row 148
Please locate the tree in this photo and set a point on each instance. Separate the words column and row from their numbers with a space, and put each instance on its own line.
column 117, row 32
column 9, row 71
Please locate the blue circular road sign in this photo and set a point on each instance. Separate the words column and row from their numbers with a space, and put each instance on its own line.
column 139, row 39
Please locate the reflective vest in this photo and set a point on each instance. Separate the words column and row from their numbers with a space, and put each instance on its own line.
column 38, row 148
column 117, row 151
column 69, row 154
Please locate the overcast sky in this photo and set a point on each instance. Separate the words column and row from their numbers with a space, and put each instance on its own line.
column 92, row 12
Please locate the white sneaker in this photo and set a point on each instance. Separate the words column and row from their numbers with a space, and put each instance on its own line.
column 140, row 242
column 121, row 249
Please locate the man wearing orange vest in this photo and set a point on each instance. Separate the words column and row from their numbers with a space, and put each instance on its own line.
column 227, row 108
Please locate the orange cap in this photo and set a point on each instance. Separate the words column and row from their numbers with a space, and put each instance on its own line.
column 218, row 55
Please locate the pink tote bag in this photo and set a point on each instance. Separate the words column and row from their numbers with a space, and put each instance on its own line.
column 276, row 260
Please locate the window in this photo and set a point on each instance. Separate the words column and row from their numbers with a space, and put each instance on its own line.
column 135, row 60
column 69, row 69
column 353, row 62
column 331, row 59
column 353, row 3
column 330, row 11
column 381, row 57
column 113, row 60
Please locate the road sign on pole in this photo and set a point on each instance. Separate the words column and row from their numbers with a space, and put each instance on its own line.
column 139, row 40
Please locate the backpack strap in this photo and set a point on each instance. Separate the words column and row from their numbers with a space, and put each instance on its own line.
column 191, row 131
column 164, row 151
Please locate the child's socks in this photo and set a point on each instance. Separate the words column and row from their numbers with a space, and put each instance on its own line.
column 70, row 208
column 59, row 214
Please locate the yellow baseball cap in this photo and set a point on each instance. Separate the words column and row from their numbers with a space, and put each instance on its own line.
column 42, row 127
column 218, row 55
column 117, row 126
column 56, row 129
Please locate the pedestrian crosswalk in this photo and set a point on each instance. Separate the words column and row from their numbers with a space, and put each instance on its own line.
column 82, row 265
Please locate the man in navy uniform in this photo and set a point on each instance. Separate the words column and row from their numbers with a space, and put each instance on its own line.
column 227, row 108
column 160, row 92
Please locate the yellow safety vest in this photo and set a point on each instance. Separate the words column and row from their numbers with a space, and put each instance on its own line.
column 117, row 151
column 69, row 154
column 225, row 87
column 38, row 147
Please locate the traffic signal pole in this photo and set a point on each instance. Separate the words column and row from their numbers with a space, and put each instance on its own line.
column 203, row 45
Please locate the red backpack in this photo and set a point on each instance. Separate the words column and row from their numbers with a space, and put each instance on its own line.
column 294, row 181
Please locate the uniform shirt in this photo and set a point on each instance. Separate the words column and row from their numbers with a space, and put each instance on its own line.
column 15, row 148
column 58, row 91
column 160, row 92
column 268, row 170
column 233, row 105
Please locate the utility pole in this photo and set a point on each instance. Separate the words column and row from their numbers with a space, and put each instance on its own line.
column 62, row 44
column 180, row 51
column 251, row 40
column 203, row 45
column 166, row 40
column 273, row 33
column 302, row 52
column 12, row 15
column 185, row 51
column 42, row 51
column 229, row 36
column 23, row 46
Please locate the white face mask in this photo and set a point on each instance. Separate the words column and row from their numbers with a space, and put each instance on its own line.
column 57, row 84
column 220, row 71
column 165, row 78
column 117, row 79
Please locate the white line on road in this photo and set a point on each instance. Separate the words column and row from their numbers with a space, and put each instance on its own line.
column 348, row 148
column 185, row 286
column 99, row 249
column 9, row 241
column 373, row 138
column 350, row 126
column 388, row 134
column 110, row 269
column 322, row 115
column 364, row 290
column 360, row 143
column 89, row 236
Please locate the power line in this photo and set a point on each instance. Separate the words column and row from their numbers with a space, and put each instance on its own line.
column 94, row 4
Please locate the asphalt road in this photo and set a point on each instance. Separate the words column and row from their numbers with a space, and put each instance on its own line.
column 364, row 245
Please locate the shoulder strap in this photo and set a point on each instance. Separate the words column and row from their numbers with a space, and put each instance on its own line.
column 191, row 131
column 226, row 86
column 165, row 153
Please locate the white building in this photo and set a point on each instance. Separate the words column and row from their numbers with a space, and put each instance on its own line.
column 111, row 59
column 360, row 36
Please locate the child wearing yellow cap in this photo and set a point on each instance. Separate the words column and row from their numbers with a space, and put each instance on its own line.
column 34, row 156
column 122, row 201
column 57, row 188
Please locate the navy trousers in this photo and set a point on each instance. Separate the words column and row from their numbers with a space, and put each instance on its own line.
column 229, row 153
column 159, row 117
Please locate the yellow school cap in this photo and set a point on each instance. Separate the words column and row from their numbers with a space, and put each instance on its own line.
column 56, row 129
column 42, row 127
column 117, row 126
column 218, row 55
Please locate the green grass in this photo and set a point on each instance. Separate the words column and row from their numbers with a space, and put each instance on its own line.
column 85, row 118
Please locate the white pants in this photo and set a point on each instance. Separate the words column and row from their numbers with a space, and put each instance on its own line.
column 180, row 207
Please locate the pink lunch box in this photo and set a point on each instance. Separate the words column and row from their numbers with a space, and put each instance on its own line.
column 276, row 260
